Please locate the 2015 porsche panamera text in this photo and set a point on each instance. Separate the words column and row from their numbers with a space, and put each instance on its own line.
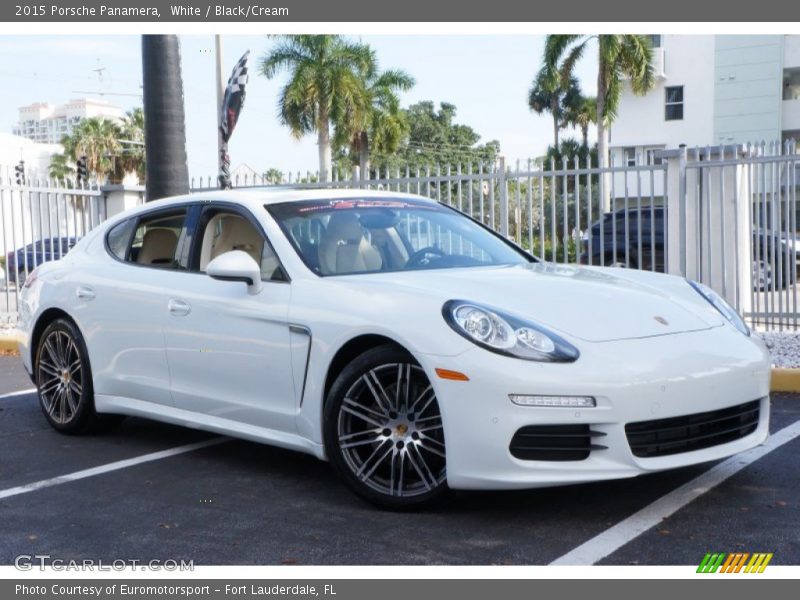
column 409, row 345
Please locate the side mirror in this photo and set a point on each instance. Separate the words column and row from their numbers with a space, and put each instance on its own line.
column 236, row 266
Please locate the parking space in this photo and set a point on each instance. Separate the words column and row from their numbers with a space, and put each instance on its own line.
column 243, row 503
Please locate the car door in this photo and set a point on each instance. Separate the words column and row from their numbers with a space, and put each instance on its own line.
column 119, row 301
column 230, row 352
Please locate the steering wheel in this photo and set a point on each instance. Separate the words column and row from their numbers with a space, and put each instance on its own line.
column 422, row 257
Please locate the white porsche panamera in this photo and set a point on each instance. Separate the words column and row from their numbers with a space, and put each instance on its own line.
column 412, row 347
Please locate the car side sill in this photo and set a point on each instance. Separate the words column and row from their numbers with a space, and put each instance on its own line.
column 202, row 422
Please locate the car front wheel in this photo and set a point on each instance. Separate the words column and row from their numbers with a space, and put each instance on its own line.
column 384, row 431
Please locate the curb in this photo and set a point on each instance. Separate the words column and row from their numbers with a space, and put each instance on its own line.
column 8, row 341
column 785, row 380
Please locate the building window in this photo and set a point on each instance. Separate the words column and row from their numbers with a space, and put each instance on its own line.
column 629, row 156
column 674, row 103
column 655, row 41
column 652, row 157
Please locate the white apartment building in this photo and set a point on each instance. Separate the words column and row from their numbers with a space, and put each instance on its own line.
column 710, row 90
column 47, row 124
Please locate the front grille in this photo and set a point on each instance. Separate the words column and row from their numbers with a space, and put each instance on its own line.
column 663, row 437
column 554, row 442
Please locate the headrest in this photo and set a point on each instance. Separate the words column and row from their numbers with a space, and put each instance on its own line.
column 345, row 227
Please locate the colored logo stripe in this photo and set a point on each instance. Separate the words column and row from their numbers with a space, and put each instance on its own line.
column 733, row 563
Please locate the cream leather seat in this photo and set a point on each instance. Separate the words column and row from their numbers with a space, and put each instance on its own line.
column 236, row 233
column 344, row 249
column 158, row 247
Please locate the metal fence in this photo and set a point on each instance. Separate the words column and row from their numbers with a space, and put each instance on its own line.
column 39, row 221
column 547, row 209
column 725, row 216
column 737, row 227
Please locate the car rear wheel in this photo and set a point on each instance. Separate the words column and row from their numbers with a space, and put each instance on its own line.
column 384, row 433
column 64, row 380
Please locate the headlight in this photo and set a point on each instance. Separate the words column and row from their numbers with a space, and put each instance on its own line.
column 505, row 334
column 725, row 309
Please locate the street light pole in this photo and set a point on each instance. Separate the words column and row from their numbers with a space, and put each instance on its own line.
column 220, row 96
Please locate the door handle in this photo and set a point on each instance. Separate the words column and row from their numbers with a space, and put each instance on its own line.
column 178, row 308
column 85, row 293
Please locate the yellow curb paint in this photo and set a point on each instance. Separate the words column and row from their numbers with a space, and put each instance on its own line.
column 8, row 342
column 785, row 380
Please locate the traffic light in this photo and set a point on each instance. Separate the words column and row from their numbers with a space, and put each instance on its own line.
column 19, row 171
column 83, row 172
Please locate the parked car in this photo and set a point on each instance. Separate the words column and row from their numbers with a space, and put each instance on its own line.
column 617, row 244
column 23, row 260
column 313, row 321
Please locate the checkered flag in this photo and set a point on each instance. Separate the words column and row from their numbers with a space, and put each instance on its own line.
column 232, row 105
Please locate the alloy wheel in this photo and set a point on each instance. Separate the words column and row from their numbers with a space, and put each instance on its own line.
column 390, row 432
column 60, row 377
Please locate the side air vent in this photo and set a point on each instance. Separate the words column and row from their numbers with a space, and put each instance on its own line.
column 554, row 442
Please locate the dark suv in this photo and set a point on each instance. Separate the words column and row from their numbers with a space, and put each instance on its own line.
column 617, row 244
column 650, row 222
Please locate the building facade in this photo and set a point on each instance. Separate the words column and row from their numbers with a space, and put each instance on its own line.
column 47, row 123
column 710, row 90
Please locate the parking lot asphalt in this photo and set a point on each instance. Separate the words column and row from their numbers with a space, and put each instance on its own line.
column 244, row 503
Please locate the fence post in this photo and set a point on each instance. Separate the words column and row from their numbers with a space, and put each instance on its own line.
column 501, row 184
column 118, row 198
column 675, row 205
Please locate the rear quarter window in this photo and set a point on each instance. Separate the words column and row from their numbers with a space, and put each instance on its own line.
column 119, row 237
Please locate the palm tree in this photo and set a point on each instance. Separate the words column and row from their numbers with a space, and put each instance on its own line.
column 582, row 114
column 61, row 168
column 132, row 157
column 165, row 134
column 98, row 140
column 545, row 96
column 620, row 57
column 273, row 175
column 326, row 75
column 381, row 124
column 549, row 93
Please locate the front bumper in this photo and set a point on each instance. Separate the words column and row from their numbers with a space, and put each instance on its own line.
column 632, row 380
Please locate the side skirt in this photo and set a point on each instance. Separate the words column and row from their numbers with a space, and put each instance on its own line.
column 202, row 422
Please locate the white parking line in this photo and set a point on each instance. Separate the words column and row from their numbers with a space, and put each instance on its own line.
column 623, row 532
column 17, row 393
column 107, row 468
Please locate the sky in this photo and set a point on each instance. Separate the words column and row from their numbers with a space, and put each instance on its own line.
column 486, row 77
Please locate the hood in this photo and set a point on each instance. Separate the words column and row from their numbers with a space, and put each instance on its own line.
column 595, row 305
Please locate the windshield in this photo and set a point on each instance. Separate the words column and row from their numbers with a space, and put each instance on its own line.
column 373, row 235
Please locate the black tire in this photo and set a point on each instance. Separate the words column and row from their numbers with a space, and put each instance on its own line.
column 408, row 471
column 63, row 378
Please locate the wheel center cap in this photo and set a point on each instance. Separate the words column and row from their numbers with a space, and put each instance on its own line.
column 401, row 429
column 65, row 376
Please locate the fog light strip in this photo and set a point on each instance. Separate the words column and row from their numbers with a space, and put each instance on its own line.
column 553, row 401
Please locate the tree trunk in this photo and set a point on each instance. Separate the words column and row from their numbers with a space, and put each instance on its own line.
column 585, row 135
column 324, row 146
column 602, row 138
column 363, row 154
column 556, row 128
column 165, row 123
